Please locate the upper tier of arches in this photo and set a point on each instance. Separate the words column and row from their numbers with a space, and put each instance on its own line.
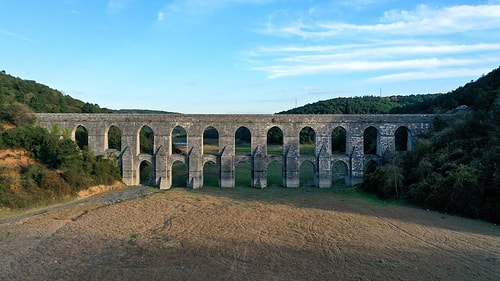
column 243, row 134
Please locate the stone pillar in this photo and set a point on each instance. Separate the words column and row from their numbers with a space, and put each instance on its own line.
column 226, row 158
column 128, row 156
column 258, row 152
column 96, row 142
column 161, row 177
column 356, row 157
column 227, row 176
column 195, row 161
column 127, row 167
column 259, row 168
column 324, row 164
column 386, row 142
column 291, row 175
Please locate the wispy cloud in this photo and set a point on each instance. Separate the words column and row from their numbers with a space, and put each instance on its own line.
column 419, row 44
column 431, row 74
column 117, row 6
column 422, row 21
column 17, row 36
column 200, row 7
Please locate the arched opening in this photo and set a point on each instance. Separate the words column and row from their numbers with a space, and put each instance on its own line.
column 114, row 138
column 242, row 175
column 146, row 140
column 210, row 174
column 307, row 140
column 339, row 140
column 274, row 141
column 402, row 139
column 370, row 141
column 211, row 141
column 179, row 174
column 339, row 173
column 81, row 137
column 179, row 140
column 306, row 176
column 274, row 174
column 370, row 167
column 146, row 176
column 242, row 141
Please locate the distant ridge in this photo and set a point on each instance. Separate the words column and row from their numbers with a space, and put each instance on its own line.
column 43, row 99
column 478, row 95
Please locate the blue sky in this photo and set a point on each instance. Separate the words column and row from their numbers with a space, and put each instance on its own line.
column 246, row 56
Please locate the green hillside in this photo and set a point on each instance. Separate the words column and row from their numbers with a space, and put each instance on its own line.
column 456, row 167
column 41, row 98
column 361, row 105
column 38, row 167
column 478, row 95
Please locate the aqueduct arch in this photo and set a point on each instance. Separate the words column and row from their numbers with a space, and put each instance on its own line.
column 167, row 150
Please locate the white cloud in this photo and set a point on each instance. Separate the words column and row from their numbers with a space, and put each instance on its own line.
column 160, row 16
column 420, row 44
column 342, row 66
column 423, row 21
column 430, row 74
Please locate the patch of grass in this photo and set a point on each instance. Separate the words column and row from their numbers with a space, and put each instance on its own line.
column 132, row 239
column 243, row 176
column 274, row 174
column 243, row 149
column 307, row 149
column 274, row 149
column 6, row 213
column 388, row 263
column 358, row 193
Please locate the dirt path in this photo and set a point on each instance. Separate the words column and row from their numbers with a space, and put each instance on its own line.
column 110, row 197
column 216, row 234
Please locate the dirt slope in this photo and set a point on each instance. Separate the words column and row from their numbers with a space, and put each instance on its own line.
column 237, row 234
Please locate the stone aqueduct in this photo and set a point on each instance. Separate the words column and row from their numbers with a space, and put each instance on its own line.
column 353, row 159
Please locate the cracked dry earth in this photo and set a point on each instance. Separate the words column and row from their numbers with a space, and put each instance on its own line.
column 229, row 234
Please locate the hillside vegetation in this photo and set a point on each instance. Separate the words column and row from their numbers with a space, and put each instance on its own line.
column 39, row 167
column 455, row 168
column 361, row 105
column 40, row 98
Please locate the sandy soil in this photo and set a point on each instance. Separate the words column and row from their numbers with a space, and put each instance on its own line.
column 15, row 157
column 235, row 234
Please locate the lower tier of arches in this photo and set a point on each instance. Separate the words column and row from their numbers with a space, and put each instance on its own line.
column 241, row 171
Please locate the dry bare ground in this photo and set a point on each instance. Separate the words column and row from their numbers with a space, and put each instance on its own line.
column 244, row 234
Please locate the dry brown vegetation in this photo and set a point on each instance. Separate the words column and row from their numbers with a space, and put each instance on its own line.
column 244, row 234
column 15, row 158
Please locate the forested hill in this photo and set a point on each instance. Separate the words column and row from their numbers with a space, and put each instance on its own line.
column 41, row 98
column 478, row 95
column 455, row 168
column 54, row 167
column 359, row 105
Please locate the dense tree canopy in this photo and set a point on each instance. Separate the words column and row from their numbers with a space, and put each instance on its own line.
column 61, row 168
column 40, row 98
column 360, row 105
column 456, row 167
